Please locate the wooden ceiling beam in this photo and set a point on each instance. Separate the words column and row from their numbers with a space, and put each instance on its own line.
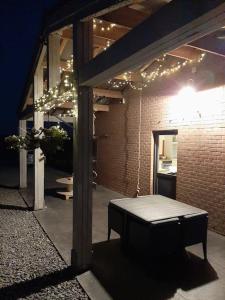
column 107, row 93
column 186, row 52
column 100, row 40
column 96, row 107
column 125, row 16
column 63, row 45
column 100, row 107
column 210, row 44
column 115, row 33
column 131, row 50
column 82, row 10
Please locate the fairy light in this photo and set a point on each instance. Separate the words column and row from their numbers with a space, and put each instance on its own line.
column 149, row 77
column 108, row 44
column 99, row 25
column 64, row 92
column 158, row 72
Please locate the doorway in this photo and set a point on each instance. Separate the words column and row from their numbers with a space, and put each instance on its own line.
column 165, row 163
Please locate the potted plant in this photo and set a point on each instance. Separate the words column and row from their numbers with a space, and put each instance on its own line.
column 50, row 140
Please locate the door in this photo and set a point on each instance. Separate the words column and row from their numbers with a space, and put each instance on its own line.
column 165, row 163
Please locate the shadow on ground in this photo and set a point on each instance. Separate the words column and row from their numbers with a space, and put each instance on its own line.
column 26, row 288
column 52, row 192
column 14, row 207
column 9, row 187
column 130, row 278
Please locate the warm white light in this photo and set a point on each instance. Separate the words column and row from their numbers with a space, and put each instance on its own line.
column 183, row 106
column 187, row 92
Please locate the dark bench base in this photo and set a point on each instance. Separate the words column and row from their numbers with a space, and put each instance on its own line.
column 159, row 237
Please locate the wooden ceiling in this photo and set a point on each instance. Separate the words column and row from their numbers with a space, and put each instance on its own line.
column 126, row 18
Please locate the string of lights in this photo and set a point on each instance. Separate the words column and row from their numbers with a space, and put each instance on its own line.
column 99, row 24
column 65, row 91
column 159, row 72
column 56, row 97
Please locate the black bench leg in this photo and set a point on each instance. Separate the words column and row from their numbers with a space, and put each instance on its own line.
column 204, row 246
column 109, row 233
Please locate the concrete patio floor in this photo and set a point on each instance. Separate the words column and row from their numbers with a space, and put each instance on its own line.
column 123, row 276
column 56, row 218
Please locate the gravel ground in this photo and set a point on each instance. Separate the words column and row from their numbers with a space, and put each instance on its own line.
column 30, row 266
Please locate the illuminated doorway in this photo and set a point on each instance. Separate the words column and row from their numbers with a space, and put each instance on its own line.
column 165, row 163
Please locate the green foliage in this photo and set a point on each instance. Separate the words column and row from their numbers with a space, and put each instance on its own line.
column 15, row 142
column 53, row 140
column 50, row 140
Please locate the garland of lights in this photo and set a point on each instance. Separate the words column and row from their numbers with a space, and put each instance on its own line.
column 99, row 23
column 65, row 92
column 159, row 72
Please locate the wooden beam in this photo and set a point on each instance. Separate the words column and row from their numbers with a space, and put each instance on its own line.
column 125, row 16
column 131, row 50
column 210, row 44
column 114, row 34
column 82, row 10
column 81, row 254
column 186, row 52
column 107, row 93
column 101, row 108
column 53, row 59
column 39, row 65
column 100, row 42
column 63, row 45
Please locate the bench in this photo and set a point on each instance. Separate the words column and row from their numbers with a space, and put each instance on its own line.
column 157, row 224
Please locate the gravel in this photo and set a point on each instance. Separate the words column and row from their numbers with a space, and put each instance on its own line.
column 30, row 266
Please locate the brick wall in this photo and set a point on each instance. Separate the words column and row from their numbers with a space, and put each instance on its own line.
column 200, row 122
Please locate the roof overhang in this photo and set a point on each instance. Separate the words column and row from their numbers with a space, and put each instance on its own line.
column 175, row 24
column 62, row 16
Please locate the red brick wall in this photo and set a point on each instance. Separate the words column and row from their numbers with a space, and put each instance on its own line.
column 201, row 147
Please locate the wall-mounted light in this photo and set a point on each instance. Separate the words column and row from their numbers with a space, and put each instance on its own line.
column 123, row 101
column 187, row 92
column 189, row 104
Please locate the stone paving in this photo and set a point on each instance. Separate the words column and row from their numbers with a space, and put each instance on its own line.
column 30, row 266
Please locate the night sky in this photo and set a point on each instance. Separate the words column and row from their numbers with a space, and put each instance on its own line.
column 20, row 26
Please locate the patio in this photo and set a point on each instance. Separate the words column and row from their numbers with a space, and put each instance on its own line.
column 57, row 218
column 122, row 276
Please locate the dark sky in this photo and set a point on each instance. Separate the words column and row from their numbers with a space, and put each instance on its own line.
column 20, row 26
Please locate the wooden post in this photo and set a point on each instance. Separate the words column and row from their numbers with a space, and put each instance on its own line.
column 39, row 162
column 23, row 156
column 53, row 59
column 83, row 134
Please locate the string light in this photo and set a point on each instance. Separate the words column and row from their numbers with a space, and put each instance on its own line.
column 148, row 77
column 65, row 92
column 158, row 72
column 99, row 25
column 56, row 97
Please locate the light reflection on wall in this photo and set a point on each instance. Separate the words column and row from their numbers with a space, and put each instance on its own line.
column 189, row 105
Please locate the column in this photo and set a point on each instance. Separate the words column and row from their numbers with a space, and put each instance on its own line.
column 83, row 135
column 39, row 161
column 23, row 156
column 53, row 59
